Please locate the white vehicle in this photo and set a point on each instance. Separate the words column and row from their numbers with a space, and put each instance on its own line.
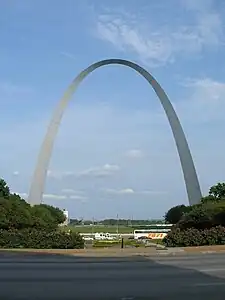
column 88, row 238
column 103, row 236
column 156, row 231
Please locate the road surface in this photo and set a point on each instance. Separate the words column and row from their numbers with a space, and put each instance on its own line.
column 62, row 277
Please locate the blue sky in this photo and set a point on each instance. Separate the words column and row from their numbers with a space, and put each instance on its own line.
column 115, row 152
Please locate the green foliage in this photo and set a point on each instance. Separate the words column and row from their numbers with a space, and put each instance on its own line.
column 42, row 218
column 25, row 226
column 128, row 222
column 98, row 228
column 203, row 216
column 195, row 237
column 218, row 191
column 117, row 243
column 216, row 194
column 175, row 214
column 40, row 239
column 115, row 222
column 4, row 189
column 105, row 244
column 197, row 217
column 56, row 213
column 200, row 224
column 14, row 214
column 208, row 199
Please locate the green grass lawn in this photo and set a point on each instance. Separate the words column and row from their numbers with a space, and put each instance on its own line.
column 99, row 228
column 107, row 244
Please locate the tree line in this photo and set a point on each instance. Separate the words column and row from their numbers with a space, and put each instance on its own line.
column 114, row 222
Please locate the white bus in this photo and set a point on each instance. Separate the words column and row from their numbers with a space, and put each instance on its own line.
column 155, row 231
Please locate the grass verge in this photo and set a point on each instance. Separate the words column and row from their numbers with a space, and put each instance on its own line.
column 99, row 228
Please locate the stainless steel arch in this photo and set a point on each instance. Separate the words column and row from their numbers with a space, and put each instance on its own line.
column 189, row 172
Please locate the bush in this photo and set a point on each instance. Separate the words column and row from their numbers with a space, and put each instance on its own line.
column 195, row 237
column 105, row 244
column 40, row 239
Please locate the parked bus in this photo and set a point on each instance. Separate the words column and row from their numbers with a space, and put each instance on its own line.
column 155, row 231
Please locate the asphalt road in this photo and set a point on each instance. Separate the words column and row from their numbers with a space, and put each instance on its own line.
column 59, row 277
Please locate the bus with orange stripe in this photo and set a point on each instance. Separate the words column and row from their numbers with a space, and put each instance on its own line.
column 155, row 231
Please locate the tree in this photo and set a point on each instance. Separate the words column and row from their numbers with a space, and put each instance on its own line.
column 16, row 197
column 216, row 194
column 42, row 218
column 209, row 199
column 217, row 211
column 175, row 213
column 14, row 214
column 17, row 214
column 56, row 213
column 203, row 216
column 4, row 189
column 218, row 191
column 199, row 217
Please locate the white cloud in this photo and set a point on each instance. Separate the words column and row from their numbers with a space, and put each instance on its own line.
column 68, row 55
column 106, row 170
column 119, row 192
column 56, row 197
column 205, row 102
column 102, row 171
column 134, row 153
column 45, row 196
column 59, row 175
column 16, row 173
column 125, row 37
column 130, row 191
column 155, row 45
column 209, row 22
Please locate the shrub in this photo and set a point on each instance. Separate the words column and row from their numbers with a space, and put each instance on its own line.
column 195, row 237
column 40, row 239
column 105, row 244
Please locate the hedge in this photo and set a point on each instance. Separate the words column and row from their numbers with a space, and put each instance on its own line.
column 105, row 244
column 39, row 239
column 195, row 237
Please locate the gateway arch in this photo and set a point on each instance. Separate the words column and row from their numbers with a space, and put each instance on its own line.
column 187, row 164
